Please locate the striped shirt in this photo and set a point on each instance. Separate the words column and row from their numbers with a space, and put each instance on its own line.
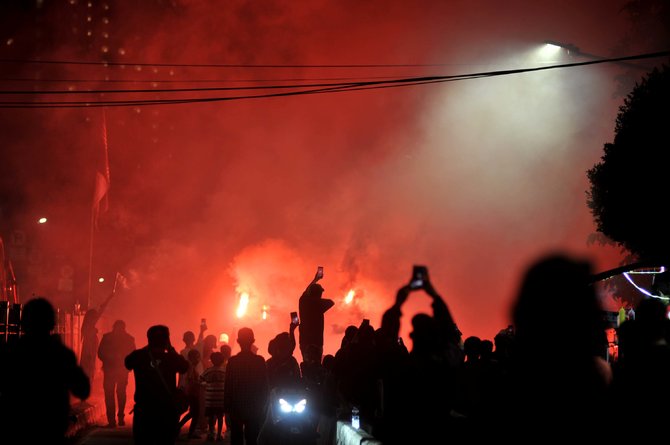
column 214, row 379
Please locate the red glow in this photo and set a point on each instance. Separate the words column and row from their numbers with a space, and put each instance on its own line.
column 216, row 210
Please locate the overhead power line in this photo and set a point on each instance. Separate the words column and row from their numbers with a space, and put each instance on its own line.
column 312, row 88
column 220, row 65
column 159, row 81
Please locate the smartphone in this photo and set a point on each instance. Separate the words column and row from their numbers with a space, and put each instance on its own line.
column 319, row 272
column 294, row 318
column 419, row 274
column 203, row 323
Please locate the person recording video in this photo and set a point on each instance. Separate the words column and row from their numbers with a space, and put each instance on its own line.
column 312, row 307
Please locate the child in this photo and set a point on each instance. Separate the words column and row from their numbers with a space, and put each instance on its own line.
column 214, row 379
column 191, row 385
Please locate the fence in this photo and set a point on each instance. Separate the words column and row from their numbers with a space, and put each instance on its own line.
column 68, row 325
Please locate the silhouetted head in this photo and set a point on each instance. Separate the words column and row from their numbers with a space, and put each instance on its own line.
column 272, row 347
column 226, row 350
column 315, row 290
column 349, row 334
column 90, row 319
column 550, row 285
column 283, row 344
column 365, row 334
column 209, row 342
column 158, row 337
column 425, row 333
column 217, row 358
column 328, row 361
column 119, row 325
column 188, row 338
column 486, row 349
column 472, row 347
column 38, row 317
column 245, row 337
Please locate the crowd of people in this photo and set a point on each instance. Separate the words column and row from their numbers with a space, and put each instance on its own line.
column 536, row 379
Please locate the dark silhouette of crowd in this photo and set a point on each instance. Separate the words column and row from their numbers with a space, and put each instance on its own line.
column 544, row 377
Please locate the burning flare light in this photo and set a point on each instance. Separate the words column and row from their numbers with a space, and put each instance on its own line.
column 243, row 305
column 350, row 296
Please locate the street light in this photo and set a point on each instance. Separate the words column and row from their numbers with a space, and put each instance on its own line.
column 569, row 47
column 573, row 50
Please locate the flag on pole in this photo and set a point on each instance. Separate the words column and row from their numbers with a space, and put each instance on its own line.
column 102, row 180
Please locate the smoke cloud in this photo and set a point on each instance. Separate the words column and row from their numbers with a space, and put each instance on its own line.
column 474, row 178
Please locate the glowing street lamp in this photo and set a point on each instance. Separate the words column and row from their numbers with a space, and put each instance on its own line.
column 552, row 47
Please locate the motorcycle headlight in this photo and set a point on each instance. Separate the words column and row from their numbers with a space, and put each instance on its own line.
column 287, row 407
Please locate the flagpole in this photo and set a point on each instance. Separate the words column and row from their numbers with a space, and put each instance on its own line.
column 102, row 183
column 90, row 258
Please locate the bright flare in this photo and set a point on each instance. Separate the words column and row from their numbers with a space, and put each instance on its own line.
column 42, row 220
column 350, row 296
column 101, row 280
column 264, row 313
column 223, row 338
column 243, row 305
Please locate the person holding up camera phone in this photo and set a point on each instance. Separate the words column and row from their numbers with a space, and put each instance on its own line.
column 426, row 378
column 311, row 308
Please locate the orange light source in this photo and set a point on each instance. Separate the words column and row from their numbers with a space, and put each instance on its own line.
column 350, row 296
column 242, row 305
column 101, row 280
column 42, row 220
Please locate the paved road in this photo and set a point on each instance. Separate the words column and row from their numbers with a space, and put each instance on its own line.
column 97, row 435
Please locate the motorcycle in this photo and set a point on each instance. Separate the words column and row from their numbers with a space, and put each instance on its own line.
column 291, row 418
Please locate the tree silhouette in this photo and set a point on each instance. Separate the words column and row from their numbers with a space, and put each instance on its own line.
column 629, row 186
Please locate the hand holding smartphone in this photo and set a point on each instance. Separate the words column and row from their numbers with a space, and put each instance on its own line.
column 319, row 272
column 294, row 319
column 419, row 277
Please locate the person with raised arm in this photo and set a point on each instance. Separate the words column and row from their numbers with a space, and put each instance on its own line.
column 425, row 378
column 312, row 307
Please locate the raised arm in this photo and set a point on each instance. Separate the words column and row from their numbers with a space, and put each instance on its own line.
column 391, row 319
column 291, row 333
column 441, row 312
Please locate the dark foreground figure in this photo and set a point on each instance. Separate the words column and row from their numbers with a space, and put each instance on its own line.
column 37, row 378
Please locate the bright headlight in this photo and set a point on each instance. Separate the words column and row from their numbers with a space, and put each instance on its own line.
column 300, row 406
column 286, row 407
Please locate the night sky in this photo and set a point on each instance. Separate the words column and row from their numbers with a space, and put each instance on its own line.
column 473, row 178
